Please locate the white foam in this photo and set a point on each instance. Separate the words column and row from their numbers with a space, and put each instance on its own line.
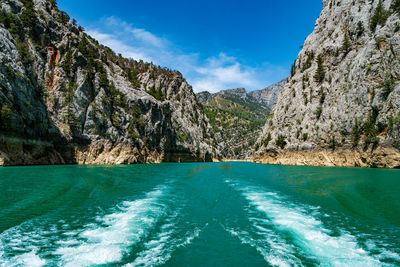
column 274, row 250
column 25, row 259
column 159, row 250
column 109, row 240
column 307, row 231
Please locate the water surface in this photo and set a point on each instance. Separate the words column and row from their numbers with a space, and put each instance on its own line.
column 200, row 214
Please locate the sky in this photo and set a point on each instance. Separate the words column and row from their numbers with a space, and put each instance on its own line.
column 215, row 44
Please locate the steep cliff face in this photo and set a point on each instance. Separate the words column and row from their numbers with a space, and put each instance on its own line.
column 341, row 105
column 269, row 96
column 65, row 98
column 238, row 116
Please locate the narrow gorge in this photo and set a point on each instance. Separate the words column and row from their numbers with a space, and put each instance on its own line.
column 67, row 99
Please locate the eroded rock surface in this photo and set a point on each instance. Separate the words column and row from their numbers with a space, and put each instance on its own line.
column 343, row 96
column 65, row 98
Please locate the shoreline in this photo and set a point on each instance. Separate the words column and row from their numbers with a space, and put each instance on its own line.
column 380, row 158
column 388, row 158
column 231, row 160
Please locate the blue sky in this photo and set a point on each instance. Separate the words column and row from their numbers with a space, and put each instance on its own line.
column 217, row 44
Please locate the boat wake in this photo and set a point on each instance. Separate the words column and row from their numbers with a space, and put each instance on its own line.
column 286, row 234
column 107, row 240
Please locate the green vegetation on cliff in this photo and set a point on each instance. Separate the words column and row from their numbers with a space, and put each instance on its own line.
column 237, row 119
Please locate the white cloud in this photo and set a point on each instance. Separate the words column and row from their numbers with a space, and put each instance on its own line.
column 205, row 74
column 224, row 72
column 147, row 37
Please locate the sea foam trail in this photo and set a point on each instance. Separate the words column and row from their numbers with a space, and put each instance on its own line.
column 169, row 237
column 274, row 250
column 106, row 241
column 307, row 231
column 109, row 239
column 159, row 250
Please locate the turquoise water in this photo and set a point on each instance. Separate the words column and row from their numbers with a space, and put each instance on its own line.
column 200, row 214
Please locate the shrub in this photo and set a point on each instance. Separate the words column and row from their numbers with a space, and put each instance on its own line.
column 395, row 7
column 387, row 86
column 308, row 63
column 332, row 143
column 267, row 140
column 63, row 18
column 360, row 29
column 305, row 136
column 24, row 54
column 132, row 76
column 293, row 69
column 380, row 16
column 356, row 133
column 370, row 130
column 117, row 98
column 10, row 73
column 28, row 16
column 82, row 46
column 115, row 119
column 132, row 131
column 12, row 23
column 280, row 142
column 156, row 93
column 67, row 66
column 318, row 112
column 322, row 94
column 5, row 114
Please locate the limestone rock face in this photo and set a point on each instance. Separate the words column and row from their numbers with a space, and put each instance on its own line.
column 344, row 92
column 65, row 98
column 269, row 96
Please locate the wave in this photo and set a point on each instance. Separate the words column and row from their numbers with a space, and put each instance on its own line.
column 304, row 228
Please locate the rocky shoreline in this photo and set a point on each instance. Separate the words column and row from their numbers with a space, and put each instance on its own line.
column 379, row 158
column 19, row 152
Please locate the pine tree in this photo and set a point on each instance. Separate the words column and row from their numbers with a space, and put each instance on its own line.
column 395, row 6
column 380, row 16
column 320, row 73
column 360, row 29
column 346, row 46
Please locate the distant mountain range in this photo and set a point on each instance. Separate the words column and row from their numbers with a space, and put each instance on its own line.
column 237, row 116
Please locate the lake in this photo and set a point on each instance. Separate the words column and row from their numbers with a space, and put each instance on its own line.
column 200, row 214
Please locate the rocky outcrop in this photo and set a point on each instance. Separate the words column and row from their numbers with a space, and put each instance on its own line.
column 65, row 98
column 237, row 117
column 341, row 105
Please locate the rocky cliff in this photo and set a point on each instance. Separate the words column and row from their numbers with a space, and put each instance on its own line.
column 237, row 117
column 65, row 98
column 341, row 105
column 269, row 96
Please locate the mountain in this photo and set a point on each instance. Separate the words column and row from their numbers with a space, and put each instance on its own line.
column 341, row 105
column 65, row 98
column 237, row 117
column 269, row 95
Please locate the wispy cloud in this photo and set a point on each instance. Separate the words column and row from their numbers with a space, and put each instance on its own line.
column 205, row 74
